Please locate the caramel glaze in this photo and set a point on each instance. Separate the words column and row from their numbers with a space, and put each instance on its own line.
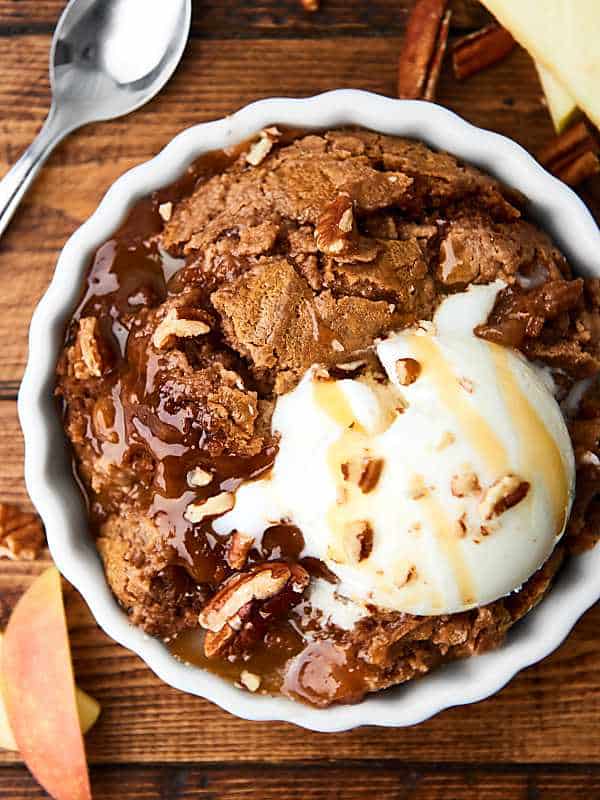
column 129, row 272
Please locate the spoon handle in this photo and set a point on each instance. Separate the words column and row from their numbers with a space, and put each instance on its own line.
column 20, row 176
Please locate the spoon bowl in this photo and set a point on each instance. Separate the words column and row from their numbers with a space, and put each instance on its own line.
column 108, row 58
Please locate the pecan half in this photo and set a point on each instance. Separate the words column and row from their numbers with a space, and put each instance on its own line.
column 505, row 493
column 238, row 615
column 335, row 226
column 21, row 533
column 481, row 49
column 263, row 582
column 423, row 50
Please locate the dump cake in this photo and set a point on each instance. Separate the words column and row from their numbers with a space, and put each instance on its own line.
column 332, row 400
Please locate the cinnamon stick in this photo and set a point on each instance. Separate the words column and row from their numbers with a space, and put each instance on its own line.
column 481, row 49
column 424, row 44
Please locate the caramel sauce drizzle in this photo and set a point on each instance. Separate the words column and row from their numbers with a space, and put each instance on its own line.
column 332, row 400
column 441, row 525
column 540, row 454
column 475, row 428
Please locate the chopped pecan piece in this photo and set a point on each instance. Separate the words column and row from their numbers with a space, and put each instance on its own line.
column 370, row 475
column 407, row 370
column 199, row 477
column 175, row 325
column 358, row 540
column 250, row 680
column 165, row 211
column 211, row 507
column 21, row 533
column 335, row 226
column 461, row 526
column 239, row 547
column 90, row 352
column 505, row 493
column 261, row 148
column 411, row 574
column 463, row 485
column 87, row 356
column 365, row 472
column 417, row 487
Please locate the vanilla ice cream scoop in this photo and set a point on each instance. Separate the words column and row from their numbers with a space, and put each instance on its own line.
column 439, row 489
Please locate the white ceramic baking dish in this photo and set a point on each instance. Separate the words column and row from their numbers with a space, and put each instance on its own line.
column 48, row 462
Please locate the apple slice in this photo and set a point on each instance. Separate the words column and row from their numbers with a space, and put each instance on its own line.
column 563, row 36
column 87, row 707
column 40, row 691
column 563, row 109
column 7, row 739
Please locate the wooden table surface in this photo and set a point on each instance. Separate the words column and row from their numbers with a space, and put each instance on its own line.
column 537, row 739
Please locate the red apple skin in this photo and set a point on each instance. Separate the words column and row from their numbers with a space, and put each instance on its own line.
column 40, row 691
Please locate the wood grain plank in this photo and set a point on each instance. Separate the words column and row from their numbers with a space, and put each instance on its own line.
column 209, row 85
column 548, row 714
column 304, row 782
column 281, row 18
column 12, row 485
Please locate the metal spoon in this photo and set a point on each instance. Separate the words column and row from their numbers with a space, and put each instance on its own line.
column 108, row 58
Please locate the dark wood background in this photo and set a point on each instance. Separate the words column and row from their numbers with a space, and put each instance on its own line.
column 537, row 739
